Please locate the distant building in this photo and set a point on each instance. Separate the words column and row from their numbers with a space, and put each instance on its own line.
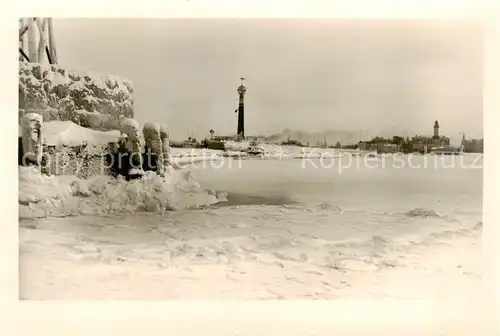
column 445, row 151
column 426, row 143
column 389, row 148
column 222, row 137
column 472, row 146
column 379, row 147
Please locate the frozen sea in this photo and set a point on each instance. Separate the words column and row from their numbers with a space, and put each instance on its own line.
column 258, row 229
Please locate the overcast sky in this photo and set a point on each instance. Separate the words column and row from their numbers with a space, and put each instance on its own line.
column 310, row 75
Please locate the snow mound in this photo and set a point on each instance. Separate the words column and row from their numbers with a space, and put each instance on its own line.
column 236, row 146
column 70, row 134
column 56, row 196
column 151, row 125
column 423, row 212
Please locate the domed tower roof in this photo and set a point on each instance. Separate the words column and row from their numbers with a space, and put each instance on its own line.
column 436, row 124
column 242, row 89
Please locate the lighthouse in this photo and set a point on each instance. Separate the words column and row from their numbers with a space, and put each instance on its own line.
column 436, row 129
column 241, row 110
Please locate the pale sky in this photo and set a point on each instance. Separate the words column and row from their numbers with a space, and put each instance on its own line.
column 310, row 75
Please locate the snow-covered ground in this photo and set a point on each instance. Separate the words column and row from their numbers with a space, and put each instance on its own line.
column 259, row 229
column 329, row 225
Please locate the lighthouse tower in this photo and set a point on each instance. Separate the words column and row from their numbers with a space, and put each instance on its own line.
column 241, row 110
column 436, row 129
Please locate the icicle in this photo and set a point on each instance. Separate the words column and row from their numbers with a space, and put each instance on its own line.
column 52, row 43
column 42, row 29
column 32, row 47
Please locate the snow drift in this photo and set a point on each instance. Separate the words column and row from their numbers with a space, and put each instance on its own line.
column 66, row 195
column 70, row 134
